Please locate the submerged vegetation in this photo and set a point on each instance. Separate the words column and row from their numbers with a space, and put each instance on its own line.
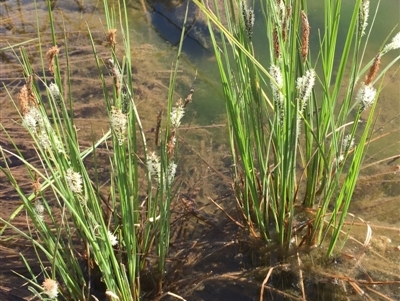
column 298, row 129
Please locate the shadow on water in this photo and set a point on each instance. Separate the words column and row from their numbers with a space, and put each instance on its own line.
column 167, row 18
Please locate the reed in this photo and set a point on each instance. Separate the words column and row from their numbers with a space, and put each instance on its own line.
column 85, row 234
column 295, row 128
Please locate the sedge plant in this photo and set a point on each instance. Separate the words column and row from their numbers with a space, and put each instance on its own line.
column 83, row 230
column 295, row 123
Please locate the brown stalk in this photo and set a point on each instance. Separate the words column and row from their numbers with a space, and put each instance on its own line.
column 263, row 285
column 226, row 213
column 158, row 125
column 379, row 294
column 301, row 278
column 190, row 95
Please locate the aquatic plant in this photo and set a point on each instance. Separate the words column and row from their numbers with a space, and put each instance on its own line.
column 296, row 131
column 94, row 239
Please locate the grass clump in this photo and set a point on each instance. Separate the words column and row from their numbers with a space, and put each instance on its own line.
column 91, row 238
column 298, row 126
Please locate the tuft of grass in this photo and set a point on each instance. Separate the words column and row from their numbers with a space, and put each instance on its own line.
column 90, row 238
column 300, row 126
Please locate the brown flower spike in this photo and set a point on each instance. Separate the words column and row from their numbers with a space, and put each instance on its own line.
column 23, row 100
column 277, row 47
column 373, row 71
column 36, row 185
column 112, row 37
column 26, row 97
column 50, row 55
column 305, row 35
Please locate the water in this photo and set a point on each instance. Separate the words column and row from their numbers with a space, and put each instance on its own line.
column 154, row 51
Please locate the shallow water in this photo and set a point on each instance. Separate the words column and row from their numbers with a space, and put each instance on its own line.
column 377, row 194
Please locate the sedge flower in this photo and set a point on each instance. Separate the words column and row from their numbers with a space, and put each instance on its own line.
column 305, row 85
column 363, row 15
column 74, row 181
column 112, row 238
column 276, row 90
column 171, row 172
column 50, row 288
column 31, row 119
column 348, row 143
column 55, row 92
column 39, row 209
column 395, row 44
column 176, row 115
column 277, row 76
column 248, row 18
column 154, row 165
column 44, row 140
column 118, row 122
column 366, row 96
